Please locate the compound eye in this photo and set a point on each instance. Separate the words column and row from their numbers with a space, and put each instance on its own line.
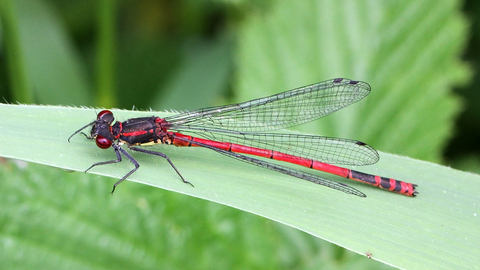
column 106, row 116
column 103, row 142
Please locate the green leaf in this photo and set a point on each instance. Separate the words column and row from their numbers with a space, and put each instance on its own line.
column 409, row 59
column 408, row 51
column 52, row 66
column 67, row 221
column 438, row 229
column 20, row 84
column 201, row 61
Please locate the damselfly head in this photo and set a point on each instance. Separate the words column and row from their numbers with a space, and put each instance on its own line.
column 102, row 129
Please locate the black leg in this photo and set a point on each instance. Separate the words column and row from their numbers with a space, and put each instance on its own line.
column 76, row 132
column 87, row 136
column 119, row 158
column 160, row 155
column 117, row 149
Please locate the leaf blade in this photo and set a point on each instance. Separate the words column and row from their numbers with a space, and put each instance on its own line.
column 424, row 222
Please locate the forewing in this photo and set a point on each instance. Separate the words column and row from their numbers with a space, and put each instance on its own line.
column 279, row 111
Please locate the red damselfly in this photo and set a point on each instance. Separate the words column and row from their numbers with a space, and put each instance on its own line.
column 238, row 129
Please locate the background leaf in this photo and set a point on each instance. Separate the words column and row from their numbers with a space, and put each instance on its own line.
column 55, row 71
column 410, row 64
